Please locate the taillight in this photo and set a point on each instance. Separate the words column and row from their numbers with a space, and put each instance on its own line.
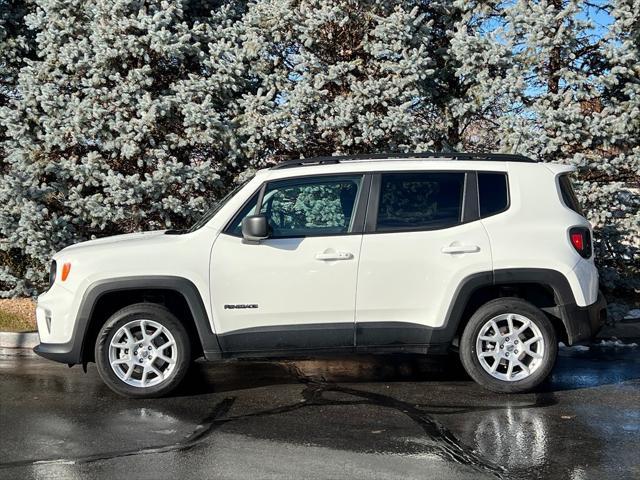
column 577, row 239
column 580, row 238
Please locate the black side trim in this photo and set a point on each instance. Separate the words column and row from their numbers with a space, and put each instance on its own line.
column 391, row 333
column 321, row 337
column 398, row 336
column 437, row 349
column 72, row 351
column 310, row 340
column 288, row 337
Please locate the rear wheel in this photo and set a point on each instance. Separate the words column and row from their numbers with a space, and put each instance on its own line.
column 509, row 346
column 143, row 351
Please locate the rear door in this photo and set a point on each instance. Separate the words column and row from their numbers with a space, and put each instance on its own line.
column 422, row 239
column 295, row 290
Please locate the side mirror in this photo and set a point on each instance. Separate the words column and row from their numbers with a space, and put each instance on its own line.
column 255, row 228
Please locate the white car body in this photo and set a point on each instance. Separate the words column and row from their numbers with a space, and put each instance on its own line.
column 406, row 282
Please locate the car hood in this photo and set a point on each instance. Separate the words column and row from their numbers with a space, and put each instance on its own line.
column 129, row 239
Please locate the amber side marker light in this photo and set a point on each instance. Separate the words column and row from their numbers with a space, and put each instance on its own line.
column 66, row 268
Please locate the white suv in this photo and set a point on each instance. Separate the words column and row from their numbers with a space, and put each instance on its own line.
column 420, row 253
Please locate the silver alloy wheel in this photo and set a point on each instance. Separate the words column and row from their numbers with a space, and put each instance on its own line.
column 510, row 347
column 143, row 353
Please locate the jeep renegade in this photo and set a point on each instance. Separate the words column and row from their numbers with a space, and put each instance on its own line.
column 489, row 255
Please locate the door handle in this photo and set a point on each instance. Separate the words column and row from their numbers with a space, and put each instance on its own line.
column 334, row 256
column 460, row 249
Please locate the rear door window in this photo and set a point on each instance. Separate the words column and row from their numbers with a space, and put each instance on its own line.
column 420, row 200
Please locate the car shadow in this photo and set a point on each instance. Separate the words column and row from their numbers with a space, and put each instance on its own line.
column 574, row 370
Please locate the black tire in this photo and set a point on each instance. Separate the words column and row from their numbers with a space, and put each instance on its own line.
column 140, row 311
column 485, row 313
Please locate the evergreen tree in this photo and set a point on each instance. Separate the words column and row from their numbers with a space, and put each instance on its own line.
column 97, row 142
column 335, row 77
column 612, row 186
column 17, row 47
column 557, row 96
column 136, row 114
column 482, row 74
column 349, row 77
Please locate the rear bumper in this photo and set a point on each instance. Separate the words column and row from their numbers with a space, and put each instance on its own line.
column 583, row 323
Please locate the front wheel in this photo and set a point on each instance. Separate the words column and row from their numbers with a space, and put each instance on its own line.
column 508, row 346
column 143, row 351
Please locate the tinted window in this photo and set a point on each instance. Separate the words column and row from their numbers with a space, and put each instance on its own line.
column 306, row 207
column 410, row 201
column 494, row 195
column 568, row 195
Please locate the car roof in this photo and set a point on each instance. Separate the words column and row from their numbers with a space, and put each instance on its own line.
column 391, row 162
column 394, row 157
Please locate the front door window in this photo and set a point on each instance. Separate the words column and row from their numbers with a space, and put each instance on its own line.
column 306, row 207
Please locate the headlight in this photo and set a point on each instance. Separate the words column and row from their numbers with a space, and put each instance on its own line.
column 52, row 273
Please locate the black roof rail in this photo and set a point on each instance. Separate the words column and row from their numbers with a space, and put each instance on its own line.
column 498, row 157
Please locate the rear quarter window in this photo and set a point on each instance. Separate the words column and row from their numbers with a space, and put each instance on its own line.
column 493, row 191
column 568, row 195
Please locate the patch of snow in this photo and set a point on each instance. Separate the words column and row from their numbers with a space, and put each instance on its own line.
column 615, row 343
column 574, row 348
column 633, row 314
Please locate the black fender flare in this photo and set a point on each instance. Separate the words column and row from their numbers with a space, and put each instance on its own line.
column 72, row 352
column 553, row 279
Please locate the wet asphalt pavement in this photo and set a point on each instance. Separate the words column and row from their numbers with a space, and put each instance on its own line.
column 369, row 418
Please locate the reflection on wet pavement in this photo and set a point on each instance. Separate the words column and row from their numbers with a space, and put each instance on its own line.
column 379, row 417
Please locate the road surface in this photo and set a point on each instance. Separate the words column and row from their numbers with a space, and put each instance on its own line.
column 369, row 418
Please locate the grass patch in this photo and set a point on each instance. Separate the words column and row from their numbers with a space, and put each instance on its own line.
column 17, row 315
column 10, row 322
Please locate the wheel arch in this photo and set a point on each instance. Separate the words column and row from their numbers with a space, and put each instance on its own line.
column 547, row 289
column 105, row 297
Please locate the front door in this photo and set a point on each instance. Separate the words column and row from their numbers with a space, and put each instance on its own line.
column 296, row 289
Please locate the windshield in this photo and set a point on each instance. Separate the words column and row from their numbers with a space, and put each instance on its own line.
column 208, row 215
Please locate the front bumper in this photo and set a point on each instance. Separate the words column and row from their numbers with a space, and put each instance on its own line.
column 584, row 323
column 60, row 330
column 58, row 352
